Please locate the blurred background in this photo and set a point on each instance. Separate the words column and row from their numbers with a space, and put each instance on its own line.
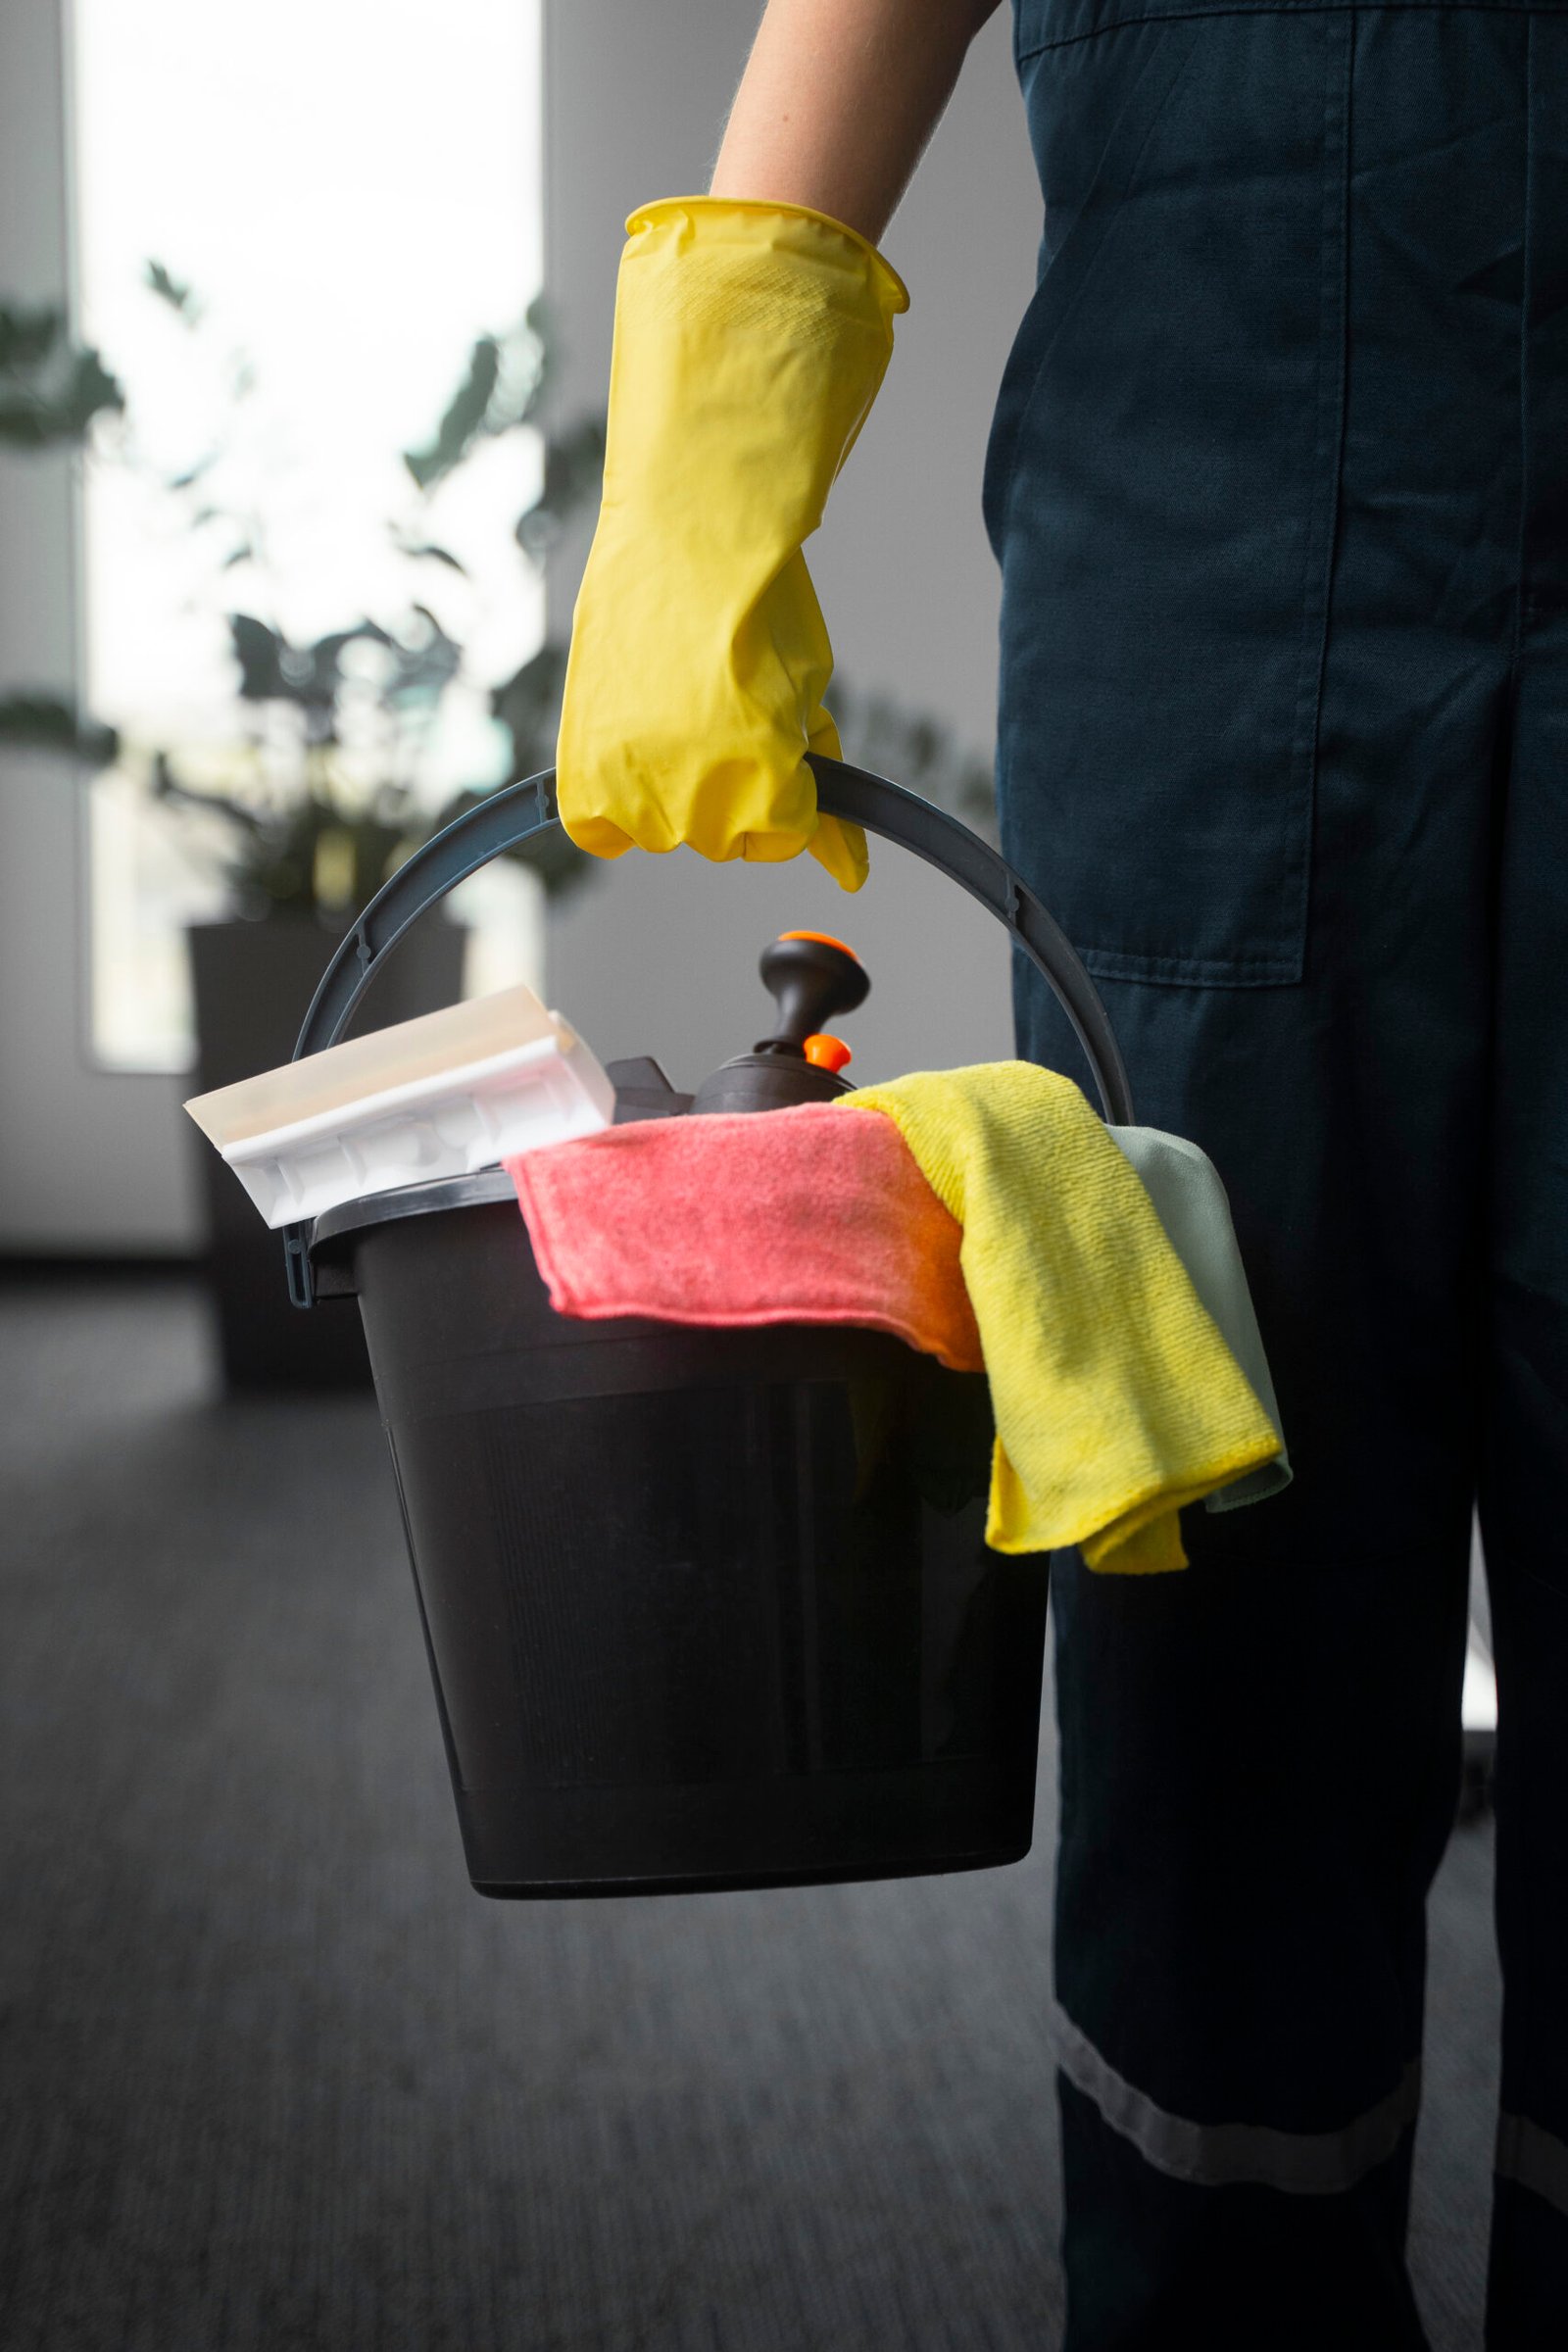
column 304, row 318
column 333, row 292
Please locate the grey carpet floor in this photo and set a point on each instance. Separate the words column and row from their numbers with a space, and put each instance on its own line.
column 275, row 2076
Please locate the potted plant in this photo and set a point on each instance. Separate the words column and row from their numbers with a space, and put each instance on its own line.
column 329, row 792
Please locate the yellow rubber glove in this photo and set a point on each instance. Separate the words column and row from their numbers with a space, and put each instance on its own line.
column 749, row 341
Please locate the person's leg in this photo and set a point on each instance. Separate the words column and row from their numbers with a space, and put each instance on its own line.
column 1524, row 1470
column 1260, row 1754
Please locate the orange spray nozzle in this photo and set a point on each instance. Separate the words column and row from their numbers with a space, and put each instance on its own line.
column 823, row 939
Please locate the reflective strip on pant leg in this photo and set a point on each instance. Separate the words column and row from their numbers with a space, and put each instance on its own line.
column 1535, row 2158
column 1229, row 2155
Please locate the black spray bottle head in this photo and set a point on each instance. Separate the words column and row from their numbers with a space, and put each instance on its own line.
column 813, row 978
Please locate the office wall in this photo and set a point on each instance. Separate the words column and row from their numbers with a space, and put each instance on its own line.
column 659, row 954
column 88, row 1160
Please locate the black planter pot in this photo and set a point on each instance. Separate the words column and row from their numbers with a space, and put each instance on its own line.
column 252, row 982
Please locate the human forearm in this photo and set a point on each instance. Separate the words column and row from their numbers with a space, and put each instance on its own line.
column 838, row 100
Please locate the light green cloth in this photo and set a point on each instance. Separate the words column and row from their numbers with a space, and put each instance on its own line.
column 1185, row 1187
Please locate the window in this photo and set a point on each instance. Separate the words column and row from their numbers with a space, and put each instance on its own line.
column 343, row 195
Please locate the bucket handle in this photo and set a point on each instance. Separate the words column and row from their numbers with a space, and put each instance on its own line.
column 519, row 811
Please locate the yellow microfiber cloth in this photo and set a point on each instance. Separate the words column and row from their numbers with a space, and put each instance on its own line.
column 1116, row 1399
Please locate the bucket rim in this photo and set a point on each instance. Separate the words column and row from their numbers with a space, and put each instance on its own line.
column 478, row 1190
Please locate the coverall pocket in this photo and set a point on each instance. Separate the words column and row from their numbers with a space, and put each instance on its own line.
column 1160, row 484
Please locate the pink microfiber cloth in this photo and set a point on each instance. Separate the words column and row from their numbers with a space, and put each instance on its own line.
column 746, row 1217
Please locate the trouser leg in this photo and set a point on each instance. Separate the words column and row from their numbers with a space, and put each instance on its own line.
column 1261, row 1755
column 1259, row 1765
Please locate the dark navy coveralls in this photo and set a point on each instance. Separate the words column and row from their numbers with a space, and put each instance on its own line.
column 1279, row 486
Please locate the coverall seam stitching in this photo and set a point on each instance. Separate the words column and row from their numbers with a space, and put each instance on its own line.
column 1107, row 963
column 1521, row 594
column 1283, row 8
column 1329, row 450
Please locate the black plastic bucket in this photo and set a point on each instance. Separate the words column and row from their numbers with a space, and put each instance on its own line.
column 704, row 1608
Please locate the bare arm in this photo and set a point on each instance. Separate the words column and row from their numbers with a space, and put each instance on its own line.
column 838, row 100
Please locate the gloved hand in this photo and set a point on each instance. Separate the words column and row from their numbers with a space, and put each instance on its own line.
column 749, row 341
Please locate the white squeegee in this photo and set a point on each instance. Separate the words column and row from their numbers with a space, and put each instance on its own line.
column 452, row 1090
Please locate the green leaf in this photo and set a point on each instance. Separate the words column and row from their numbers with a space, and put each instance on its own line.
column 50, row 389
column 50, row 723
column 422, row 671
column 508, row 377
column 193, row 474
column 309, row 677
column 90, row 390
column 259, row 652
column 29, row 338
column 528, row 705
column 463, row 419
column 165, row 785
column 539, row 326
column 574, row 476
column 436, row 555
column 168, row 289
column 24, row 426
